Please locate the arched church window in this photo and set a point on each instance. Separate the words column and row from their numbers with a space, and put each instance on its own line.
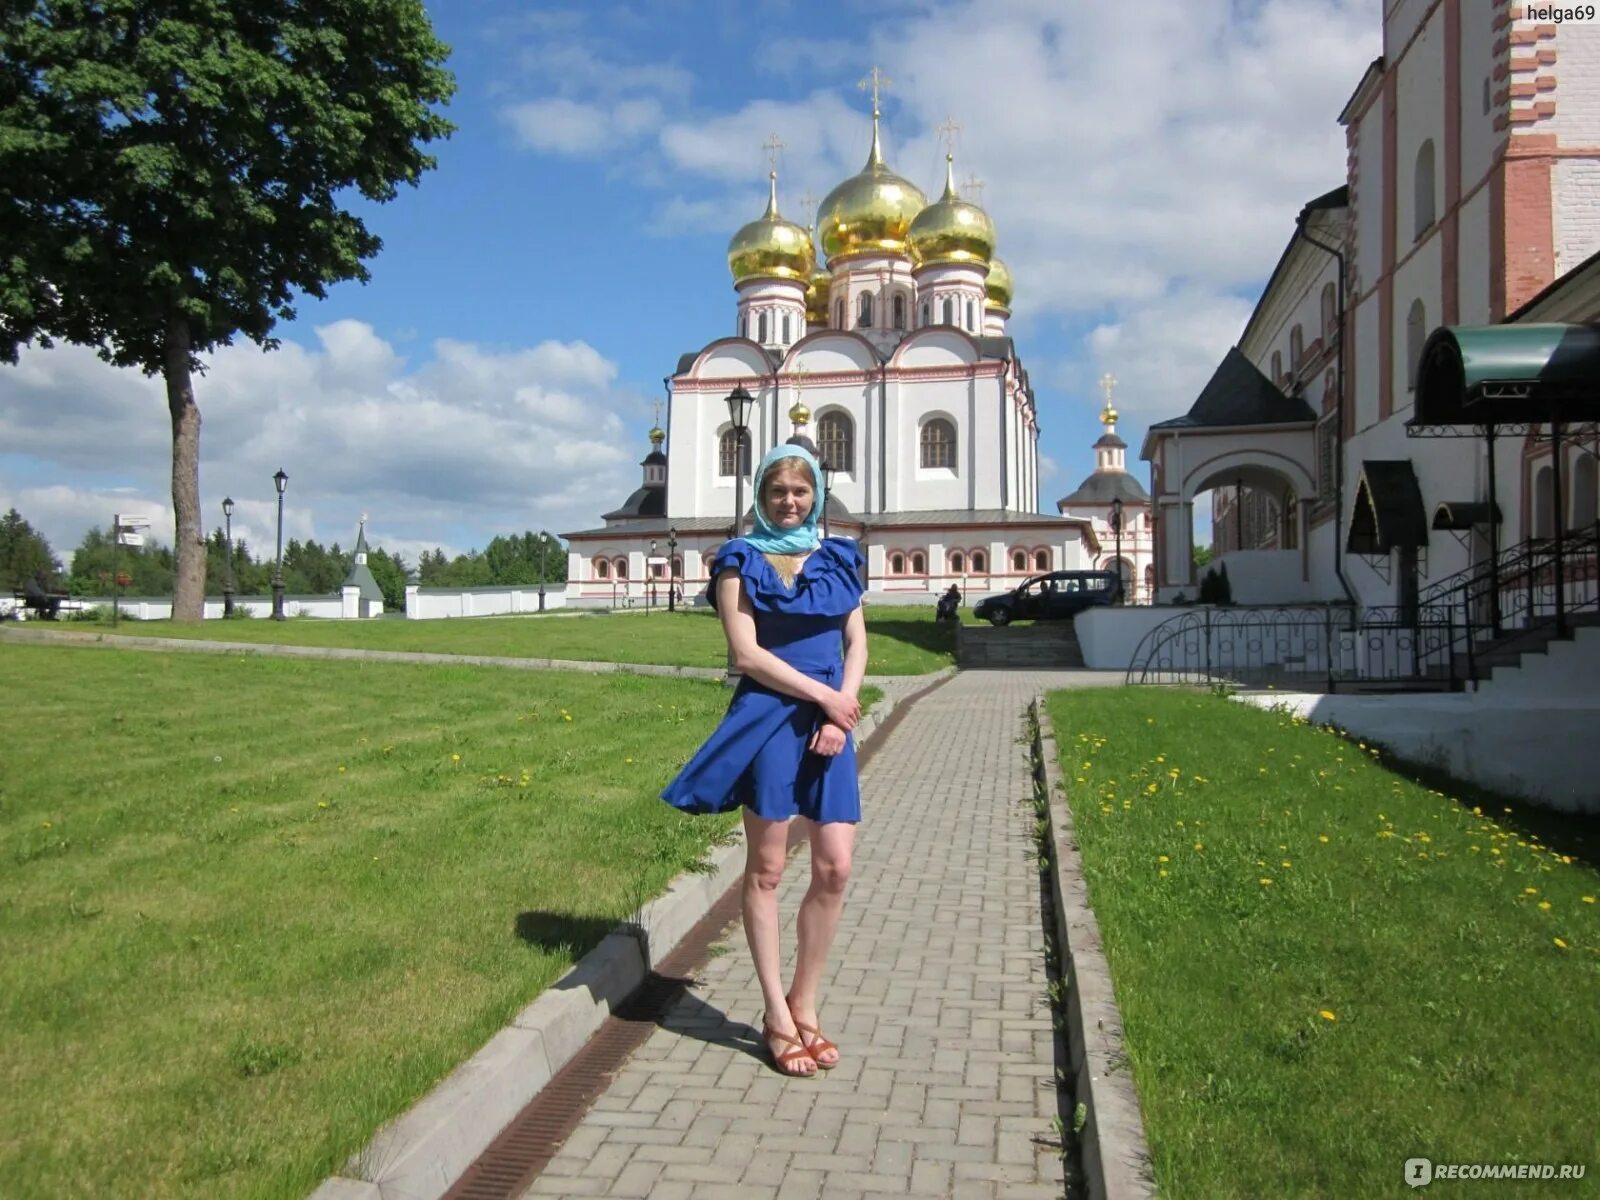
column 899, row 311
column 836, row 440
column 926, row 317
column 602, row 569
column 897, row 564
column 677, row 566
column 919, row 565
column 1584, row 500
column 621, row 566
column 744, row 326
column 1544, row 503
column 725, row 454
column 980, row 562
column 1416, row 332
column 838, row 314
column 949, row 311
column 761, row 325
column 1277, row 367
column 1019, row 560
column 1423, row 189
column 972, row 319
column 1297, row 348
column 1041, row 560
column 939, row 443
column 958, row 563
column 864, row 311
column 786, row 328
column 1330, row 310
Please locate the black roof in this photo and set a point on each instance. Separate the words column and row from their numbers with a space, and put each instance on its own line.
column 1105, row 486
column 648, row 501
column 1239, row 394
column 1110, row 441
column 654, row 459
column 1388, row 509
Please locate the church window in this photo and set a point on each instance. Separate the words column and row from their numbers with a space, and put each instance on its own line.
column 899, row 311
column 1290, row 537
column 622, row 568
column 919, row 565
column 1041, row 560
column 972, row 317
column 864, row 311
column 602, row 569
column 1297, row 348
column 1544, row 503
column 1416, row 331
column 897, row 564
column 958, row 563
column 980, row 562
column 838, row 314
column 836, row 440
column 744, row 326
column 1277, row 367
column 1584, row 498
column 1422, row 191
column 677, row 567
column 1019, row 560
column 949, row 311
column 762, row 326
column 725, row 454
column 786, row 329
column 926, row 318
column 939, row 443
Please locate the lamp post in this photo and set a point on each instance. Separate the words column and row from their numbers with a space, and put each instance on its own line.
column 672, row 569
column 541, row 570
column 227, row 579
column 654, row 554
column 739, row 402
column 1116, row 529
column 280, row 481
column 828, row 472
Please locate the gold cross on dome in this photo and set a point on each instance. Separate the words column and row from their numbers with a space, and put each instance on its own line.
column 947, row 133
column 808, row 205
column 972, row 186
column 773, row 146
column 658, row 415
column 875, row 81
column 1108, row 381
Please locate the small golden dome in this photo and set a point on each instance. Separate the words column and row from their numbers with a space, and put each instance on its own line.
column 657, row 436
column 871, row 212
column 771, row 247
column 997, row 288
column 817, row 296
column 952, row 230
column 799, row 413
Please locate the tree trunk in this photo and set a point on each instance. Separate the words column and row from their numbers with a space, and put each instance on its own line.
column 189, row 585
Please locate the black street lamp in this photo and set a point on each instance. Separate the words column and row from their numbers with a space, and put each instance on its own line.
column 1116, row 528
column 739, row 402
column 281, row 481
column 541, row 570
column 227, row 579
column 652, row 568
column 828, row 472
column 672, row 569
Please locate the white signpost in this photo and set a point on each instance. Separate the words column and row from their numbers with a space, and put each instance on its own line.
column 126, row 530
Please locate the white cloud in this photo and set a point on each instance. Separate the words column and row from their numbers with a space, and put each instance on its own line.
column 470, row 443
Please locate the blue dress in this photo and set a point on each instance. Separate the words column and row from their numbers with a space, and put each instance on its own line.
column 757, row 756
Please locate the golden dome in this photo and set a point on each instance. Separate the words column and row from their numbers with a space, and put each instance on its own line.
column 997, row 287
column 657, row 436
column 799, row 413
column 771, row 247
column 817, row 296
column 952, row 230
column 871, row 212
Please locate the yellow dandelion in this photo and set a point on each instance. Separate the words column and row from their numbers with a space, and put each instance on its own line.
column 1163, row 872
column 1327, row 1014
column 44, row 824
column 1322, row 837
column 1161, row 758
column 390, row 749
column 1199, row 845
column 1180, row 824
column 1287, row 864
column 1162, row 858
column 1544, row 906
column 1530, row 891
column 455, row 758
column 341, row 768
column 1494, row 849
column 322, row 804
column 1477, row 849
column 627, row 760
column 1560, row 943
column 1588, row 899
column 1265, row 882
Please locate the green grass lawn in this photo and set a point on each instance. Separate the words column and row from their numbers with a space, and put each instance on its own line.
column 1326, row 967
column 901, row 641
column 253, row 907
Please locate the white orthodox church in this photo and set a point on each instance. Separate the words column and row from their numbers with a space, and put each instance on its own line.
column 892, row 360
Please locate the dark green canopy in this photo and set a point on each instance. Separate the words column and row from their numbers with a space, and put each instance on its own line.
column 1505, row 374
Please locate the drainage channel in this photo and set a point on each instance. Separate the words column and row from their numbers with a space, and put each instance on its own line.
column 535, row 1135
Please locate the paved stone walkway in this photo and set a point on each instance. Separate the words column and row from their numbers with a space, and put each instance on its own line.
column 938, row 1002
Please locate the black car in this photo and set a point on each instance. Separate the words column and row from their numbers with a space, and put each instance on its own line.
column 1057, row 596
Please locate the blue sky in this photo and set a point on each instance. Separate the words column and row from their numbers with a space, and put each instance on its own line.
column 1143, row 162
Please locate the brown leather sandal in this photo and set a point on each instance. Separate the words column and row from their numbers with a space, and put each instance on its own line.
column 818, row 1043
column 780, row 1062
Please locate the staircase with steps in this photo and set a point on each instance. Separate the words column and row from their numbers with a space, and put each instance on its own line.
column 1051, row 645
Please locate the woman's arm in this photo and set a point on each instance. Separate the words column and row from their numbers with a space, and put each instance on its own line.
column 749, row 658
column 855, row 652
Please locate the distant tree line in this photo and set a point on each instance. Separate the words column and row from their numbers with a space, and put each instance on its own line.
column 309, row 568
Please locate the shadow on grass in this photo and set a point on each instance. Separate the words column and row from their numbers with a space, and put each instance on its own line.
column 554, row 932
column 937, row 637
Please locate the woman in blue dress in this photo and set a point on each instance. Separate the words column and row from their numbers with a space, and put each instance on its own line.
column 790, row 604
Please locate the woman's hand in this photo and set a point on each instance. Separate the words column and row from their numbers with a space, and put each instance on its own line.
column 828, row 740
column 842, row 710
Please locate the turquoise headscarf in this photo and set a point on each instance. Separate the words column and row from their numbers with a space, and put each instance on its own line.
column 766, row 537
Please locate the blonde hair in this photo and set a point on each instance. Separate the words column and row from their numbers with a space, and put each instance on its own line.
column 787, row 566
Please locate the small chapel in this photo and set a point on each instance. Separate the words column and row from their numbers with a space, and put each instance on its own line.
column 878, row 339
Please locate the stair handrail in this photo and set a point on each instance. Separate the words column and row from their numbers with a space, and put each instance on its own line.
column 1199, row 618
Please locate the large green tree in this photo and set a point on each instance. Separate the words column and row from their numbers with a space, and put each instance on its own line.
column 171, row 174
column 24, row 553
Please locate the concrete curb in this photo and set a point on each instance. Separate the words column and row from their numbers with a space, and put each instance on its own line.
column 118, row 641
column 421, row 1153
column 1116, row 1156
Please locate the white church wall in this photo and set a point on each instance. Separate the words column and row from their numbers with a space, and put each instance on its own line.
column 1419, row 117
column 1472, row 260
column 1368, row 196
column 1576, row 201
column 1418, row 279
column 1577, row 117
column 1268, row 577
column 1363, row 396
column 1401, row 23
column 1479, row 138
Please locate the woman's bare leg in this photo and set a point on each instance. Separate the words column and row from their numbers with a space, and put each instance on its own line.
column 831, row 848
column 766, row 847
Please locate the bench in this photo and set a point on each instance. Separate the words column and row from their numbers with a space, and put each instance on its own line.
column 47, row 604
